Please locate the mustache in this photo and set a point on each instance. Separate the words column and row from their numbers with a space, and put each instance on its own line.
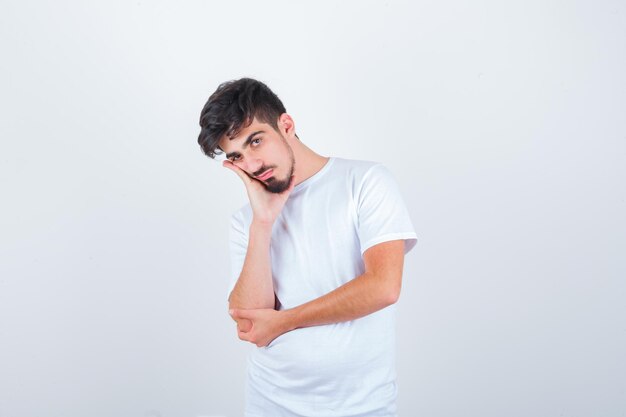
column 262, row 170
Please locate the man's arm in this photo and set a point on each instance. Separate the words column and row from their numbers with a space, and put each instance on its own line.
column 254, row 288
column 378, row 287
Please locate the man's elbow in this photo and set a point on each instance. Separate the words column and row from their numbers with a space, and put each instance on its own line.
column 237, row 300
column 393, row 291
column 393, row 296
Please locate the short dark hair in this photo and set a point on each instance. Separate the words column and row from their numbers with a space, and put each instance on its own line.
column 232, row 107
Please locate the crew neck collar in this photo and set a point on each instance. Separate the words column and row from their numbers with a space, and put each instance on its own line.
column 315, row 176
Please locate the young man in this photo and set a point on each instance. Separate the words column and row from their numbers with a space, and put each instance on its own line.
column 317, row 258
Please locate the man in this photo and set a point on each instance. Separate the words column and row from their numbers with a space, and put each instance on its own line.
column 317, row 258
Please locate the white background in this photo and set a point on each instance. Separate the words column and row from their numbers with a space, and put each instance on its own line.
column 503, row 122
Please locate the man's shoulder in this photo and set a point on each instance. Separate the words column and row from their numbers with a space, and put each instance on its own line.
column 354, row 167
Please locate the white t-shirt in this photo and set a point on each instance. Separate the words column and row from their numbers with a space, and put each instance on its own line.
column 317, row 245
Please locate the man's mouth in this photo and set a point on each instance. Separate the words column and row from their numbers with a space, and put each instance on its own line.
column 264, row 176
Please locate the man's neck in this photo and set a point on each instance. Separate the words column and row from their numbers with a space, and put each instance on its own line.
column 308, row 163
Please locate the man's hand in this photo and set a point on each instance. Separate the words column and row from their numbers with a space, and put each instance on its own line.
column 267, row 325
column 243, row 325
column 266, row 206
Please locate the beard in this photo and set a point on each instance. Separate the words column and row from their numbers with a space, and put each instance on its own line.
column 276, row 186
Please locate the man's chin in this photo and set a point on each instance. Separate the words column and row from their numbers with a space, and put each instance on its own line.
column 278, row 186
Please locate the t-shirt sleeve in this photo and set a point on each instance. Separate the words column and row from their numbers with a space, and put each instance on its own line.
column 238, row 247
column 381, row 211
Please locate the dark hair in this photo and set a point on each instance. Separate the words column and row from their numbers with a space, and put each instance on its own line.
column 232, row 107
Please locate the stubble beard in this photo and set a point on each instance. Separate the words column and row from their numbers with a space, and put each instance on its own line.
column 277, row 186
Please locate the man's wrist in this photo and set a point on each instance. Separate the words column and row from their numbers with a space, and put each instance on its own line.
column 290, row 319
column 261, row 225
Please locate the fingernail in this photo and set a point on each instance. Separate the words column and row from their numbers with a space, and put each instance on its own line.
column 230, row 311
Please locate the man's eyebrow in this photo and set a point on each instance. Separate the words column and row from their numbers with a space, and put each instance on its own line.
column 245, row 144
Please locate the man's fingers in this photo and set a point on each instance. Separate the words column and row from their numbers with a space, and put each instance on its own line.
column 237, row 313
column 244, row 336
column 232, row 167
column 240, row 172
column 244, row 325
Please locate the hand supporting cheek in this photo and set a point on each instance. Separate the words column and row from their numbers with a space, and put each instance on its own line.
column 266, row 206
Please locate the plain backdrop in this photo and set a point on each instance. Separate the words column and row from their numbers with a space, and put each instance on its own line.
column 504, row 124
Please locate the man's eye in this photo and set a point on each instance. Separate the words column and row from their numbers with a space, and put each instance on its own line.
column 235, row 158
column 256, row 141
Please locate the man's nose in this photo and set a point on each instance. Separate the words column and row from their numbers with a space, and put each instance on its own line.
column 253, row 165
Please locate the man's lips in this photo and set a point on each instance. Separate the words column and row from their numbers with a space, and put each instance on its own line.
column 265, row 175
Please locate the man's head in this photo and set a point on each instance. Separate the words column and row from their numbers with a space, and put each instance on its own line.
column 247, row 121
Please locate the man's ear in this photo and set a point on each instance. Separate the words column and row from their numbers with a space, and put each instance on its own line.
column 287, row 126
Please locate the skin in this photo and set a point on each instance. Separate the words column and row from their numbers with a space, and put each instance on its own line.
column 252, row 303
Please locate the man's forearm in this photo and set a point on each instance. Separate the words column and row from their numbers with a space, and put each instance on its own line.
column 357, row 298
column 254, row 288
column 378, row 287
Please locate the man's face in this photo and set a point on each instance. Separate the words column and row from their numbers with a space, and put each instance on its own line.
column 263, row 153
